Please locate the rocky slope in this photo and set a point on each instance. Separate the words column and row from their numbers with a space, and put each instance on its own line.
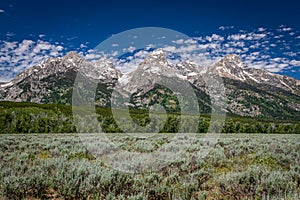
column 249, row 91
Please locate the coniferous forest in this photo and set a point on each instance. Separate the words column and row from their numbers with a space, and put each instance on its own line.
column 25, row 117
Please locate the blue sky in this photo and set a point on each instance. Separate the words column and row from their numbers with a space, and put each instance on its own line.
column 265, row 34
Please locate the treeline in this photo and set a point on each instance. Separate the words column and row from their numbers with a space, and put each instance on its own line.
column 35, row 118
column 67, row 110
column 236, row 125
column 50, row 118
column 231, row 125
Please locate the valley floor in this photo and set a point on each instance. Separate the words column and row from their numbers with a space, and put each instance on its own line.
column 66, row 166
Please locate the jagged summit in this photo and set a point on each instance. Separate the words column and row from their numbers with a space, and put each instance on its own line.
column 158, row 53
column 72, row 54
column 232, row 61
column 52, row 81
column 232, row 67
column 158, row 56
column 233, row 58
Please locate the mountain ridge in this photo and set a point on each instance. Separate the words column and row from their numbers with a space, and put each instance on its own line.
column 250, row 92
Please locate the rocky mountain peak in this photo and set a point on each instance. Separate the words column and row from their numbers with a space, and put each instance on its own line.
column 72, row 54
column 189, row 68
column 232, row 58
column 104, row 70
column 158, row 56
column 233, row 61
column 72, row 59
column 231, row 66
column 154, row 68
column 103, row 62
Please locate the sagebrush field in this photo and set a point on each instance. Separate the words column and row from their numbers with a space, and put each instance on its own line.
column 239, row 166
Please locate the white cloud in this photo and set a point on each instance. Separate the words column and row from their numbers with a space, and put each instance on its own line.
column 180, row 41
column 59, row 48
column 9, row 34
column 131, row 49
column 115, row 53
column 17, row 56
column 225, row 27
column 237, row 37
column 282, row 65
column 284, row 29
column 214, row 37
column 142, row 54
column 149, row 46
column 237, row 44
column 247, row 36
column 278, row 36
column 83, row 46
column 255, row 36
column 277, row 59
column 245, row 50
column 2, row 11
column 42, row 45
column 9, row 45
column 92, row 56
column 261, row 29
column 256, row 53
column 23, row 47
column 295, row 63
column 290, row 54
column 170, row 48
column 200, row 39
column 72, row 38
column 162, row 37
column 190, row 41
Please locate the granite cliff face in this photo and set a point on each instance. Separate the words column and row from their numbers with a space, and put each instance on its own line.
column 249, row 91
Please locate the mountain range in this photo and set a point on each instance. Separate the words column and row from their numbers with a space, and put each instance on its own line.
column 250, row 92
